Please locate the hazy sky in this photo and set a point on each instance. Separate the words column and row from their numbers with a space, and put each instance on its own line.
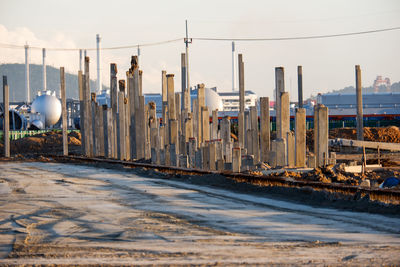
column 328, row 64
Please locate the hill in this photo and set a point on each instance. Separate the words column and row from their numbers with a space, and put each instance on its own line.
column 16, row 80
column 368, row 90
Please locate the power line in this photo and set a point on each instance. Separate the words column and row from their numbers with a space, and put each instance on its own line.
column 13, row 46
column 91, row 49
column 295, row 38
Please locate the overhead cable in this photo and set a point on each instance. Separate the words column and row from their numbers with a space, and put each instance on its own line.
column 295, row 38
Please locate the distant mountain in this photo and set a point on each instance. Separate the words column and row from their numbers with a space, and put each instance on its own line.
column 16, row 80
column 368, row 90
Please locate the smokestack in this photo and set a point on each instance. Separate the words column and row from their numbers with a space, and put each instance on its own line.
column 80, row 59
column 44, row 70
column 98, row 39
column 138, row 54
column 27, row 85
column 233, row 66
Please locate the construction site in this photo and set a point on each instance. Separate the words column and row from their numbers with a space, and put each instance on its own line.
column 267, row 135
column 192, row 187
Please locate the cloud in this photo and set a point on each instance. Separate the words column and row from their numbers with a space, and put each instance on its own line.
column 23, row 35
column 151, row 62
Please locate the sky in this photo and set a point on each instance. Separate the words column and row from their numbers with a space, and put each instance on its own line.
column 328, row 64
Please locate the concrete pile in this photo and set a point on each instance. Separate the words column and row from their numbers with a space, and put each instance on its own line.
column 184, row 136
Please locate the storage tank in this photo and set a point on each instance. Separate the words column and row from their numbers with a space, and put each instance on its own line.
column 213, row 100
column 17, row 120
column 48, row 106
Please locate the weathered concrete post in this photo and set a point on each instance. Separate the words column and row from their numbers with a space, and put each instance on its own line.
column 111, row 133
column 225, row 133
column 96, row 126
column 284, row 125
column 164, row 86
column 171, row 97
column 192, row 152
column 254, row 138
column 121, row 126
column 106, row 127
column 264, row 129
column 360, row 123
column 6, row 122
column 81, row 112
column 279, row 88
column 185, row 91
column 186, row 107
column 127, row 113
column 236, row 159
column 140, row 82
column 241, row 129
column 133, row 95
column 188, row 126
column 64, row 112
column 93, row 124
column 321, row 131
column 100, row 130
column 140, row 129
column 164, row 104
column 214, row 129
column 290, row 149
column 300, row 85
column 172, row 149
column 87, row 110
column 279, row 147
column 205, row 124
column 300, row 138
column 195, row 121
column 173, row 137
column 161, row 144
column 212, row 155
column 153, row 122
column 249, row 141
column 178, row 111
column 112, row 125
column 201, row 102
column 147, row 151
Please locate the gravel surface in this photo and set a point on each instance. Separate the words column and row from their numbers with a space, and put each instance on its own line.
column 52, row 213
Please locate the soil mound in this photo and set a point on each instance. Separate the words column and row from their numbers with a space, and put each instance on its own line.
column 376, row 134
column 44, row 143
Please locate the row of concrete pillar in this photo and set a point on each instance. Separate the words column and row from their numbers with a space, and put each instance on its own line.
column 185, row 137
column 128, row 129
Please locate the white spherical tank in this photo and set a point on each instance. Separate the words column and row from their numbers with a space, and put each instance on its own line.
column 213, row 100
column 48, row 106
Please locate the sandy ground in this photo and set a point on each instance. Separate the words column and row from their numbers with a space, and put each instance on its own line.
column 53, row 213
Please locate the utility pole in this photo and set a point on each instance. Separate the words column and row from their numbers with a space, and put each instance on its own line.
column 187, row 42
column 44, row 69
column 233, row 66
column 27, row 84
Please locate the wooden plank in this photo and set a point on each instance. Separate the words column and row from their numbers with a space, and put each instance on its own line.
column 367, row 144
column 369, row 156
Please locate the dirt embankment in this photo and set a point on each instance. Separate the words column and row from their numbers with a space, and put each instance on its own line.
column 336, row 174
column 45, row 143
column 376, row 134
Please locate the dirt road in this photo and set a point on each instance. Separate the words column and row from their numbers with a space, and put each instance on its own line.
column 70, row 214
